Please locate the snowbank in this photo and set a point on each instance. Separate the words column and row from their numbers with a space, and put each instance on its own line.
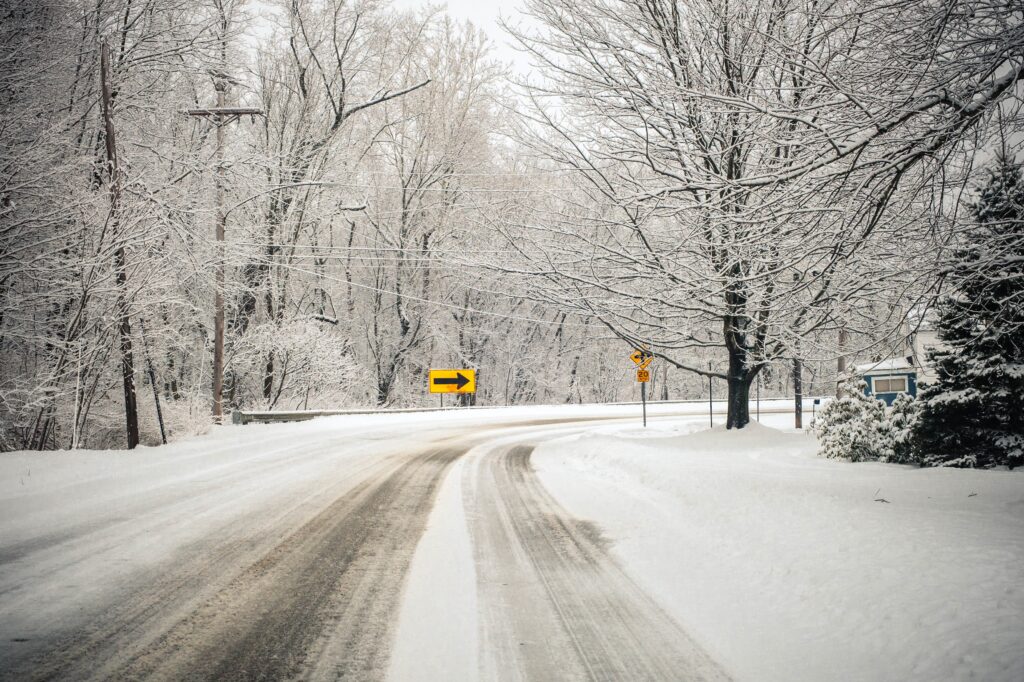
column 786, row 566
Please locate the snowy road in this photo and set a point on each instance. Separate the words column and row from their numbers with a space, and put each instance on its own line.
column 516, row 544
column 283, row 552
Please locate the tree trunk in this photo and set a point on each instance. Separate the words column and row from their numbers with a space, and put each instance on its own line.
column 739, row 391
column 739, row 403
column 268, row 377
column 131, row 412
column 152, row 381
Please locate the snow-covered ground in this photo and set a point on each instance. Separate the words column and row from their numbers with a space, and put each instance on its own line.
column 785, row 566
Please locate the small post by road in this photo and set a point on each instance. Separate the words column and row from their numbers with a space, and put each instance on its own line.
column 711, row 399
column 758, row 397
column 643, row 386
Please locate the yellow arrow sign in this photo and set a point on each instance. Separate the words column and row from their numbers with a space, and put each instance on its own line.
column 452, row 381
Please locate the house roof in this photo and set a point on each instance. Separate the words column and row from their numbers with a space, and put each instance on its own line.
column 890, row 365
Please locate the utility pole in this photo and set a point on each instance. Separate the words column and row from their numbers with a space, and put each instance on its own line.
column 841, row 362
column 711, row 398
column 221, row 116
column 798, row 392
column 131, row 411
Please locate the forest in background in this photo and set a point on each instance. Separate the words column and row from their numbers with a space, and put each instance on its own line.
column 757, row 190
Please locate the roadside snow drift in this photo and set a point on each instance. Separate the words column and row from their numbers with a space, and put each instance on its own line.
column 785, row 566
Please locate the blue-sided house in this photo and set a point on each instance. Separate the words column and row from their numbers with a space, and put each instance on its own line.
column 886, row 379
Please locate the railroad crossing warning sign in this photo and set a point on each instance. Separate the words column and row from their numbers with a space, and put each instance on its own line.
column 453, row 381
column 643, row 375
column 642, row 357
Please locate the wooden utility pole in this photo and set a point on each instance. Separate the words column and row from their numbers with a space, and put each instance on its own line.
column 131, row 411
column 221, row 116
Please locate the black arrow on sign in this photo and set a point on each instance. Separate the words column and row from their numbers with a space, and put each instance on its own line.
column 459, row 380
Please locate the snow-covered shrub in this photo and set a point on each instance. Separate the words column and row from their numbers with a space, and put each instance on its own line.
column 312, row 366
column 900, row 421
column 861, row 428
column 853, row 426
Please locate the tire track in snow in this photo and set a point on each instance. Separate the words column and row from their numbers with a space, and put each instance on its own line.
column 90, row 596
column 320, row 604
column 555, row 605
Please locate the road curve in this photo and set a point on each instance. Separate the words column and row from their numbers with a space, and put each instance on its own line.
column 302, row 577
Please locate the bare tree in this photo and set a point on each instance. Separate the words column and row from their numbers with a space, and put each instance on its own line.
column 337, row 62
column 750, row 174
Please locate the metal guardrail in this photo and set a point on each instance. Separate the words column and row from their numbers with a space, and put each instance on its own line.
column 276, row 416
column 273, row 416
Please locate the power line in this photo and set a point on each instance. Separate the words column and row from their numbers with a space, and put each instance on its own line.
column 441, row 304
column 460, row 190
column 409, row 249
column 472, row 174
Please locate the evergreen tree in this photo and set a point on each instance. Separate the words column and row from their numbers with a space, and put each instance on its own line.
column 973, row 415
column 900, row 420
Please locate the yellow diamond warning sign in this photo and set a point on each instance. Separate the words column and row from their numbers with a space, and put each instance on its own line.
column 642, row 358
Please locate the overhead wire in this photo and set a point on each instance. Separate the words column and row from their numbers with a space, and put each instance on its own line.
column 410, row 249
column 442, row 304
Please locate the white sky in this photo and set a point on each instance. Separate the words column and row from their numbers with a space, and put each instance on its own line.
column 485, row 15
column 482, row 13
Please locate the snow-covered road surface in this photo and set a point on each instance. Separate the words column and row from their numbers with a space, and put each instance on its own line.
column 551, row 591
column 257, row 552
column 531, row 543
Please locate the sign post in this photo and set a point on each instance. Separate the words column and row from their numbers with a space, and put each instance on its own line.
column 643, row 376
column 642, row 358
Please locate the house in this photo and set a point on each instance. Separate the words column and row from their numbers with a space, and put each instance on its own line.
column 886, row 379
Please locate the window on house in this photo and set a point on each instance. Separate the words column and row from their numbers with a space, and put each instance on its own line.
column 890, row 385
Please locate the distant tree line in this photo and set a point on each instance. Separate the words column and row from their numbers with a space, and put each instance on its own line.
column 758, row 191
